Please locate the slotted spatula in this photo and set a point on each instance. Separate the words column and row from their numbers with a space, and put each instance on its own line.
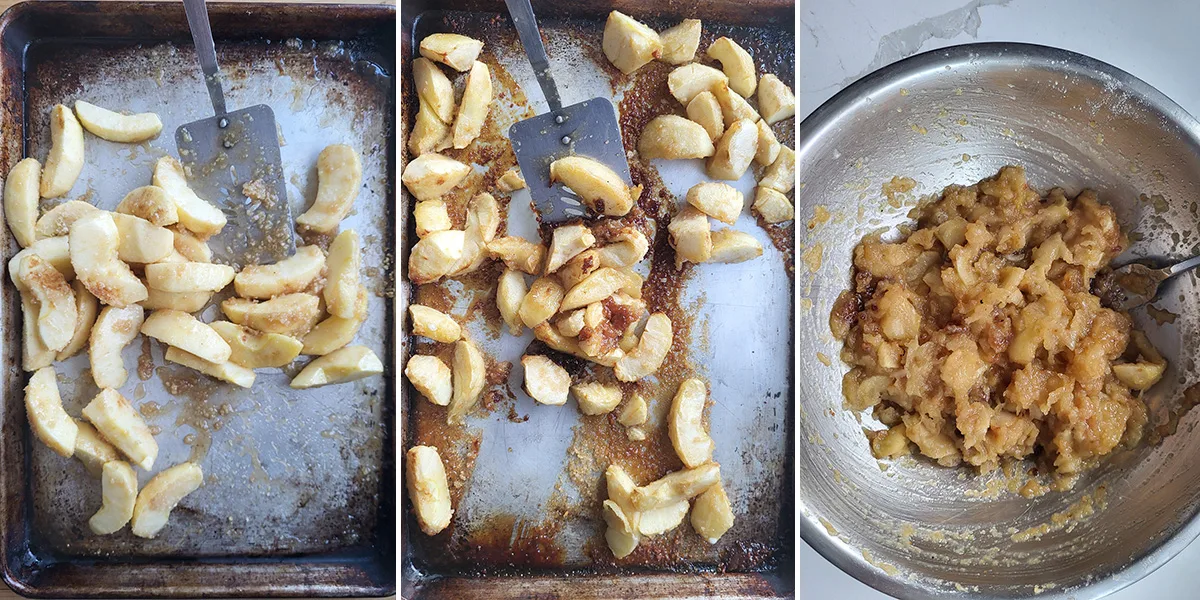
column 232, row 160
column 588, row 128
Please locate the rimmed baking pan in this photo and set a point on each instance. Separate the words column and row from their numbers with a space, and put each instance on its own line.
column 526, row 480
column 299, row 491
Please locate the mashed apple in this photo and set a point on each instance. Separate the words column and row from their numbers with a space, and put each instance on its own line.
column 976, row 338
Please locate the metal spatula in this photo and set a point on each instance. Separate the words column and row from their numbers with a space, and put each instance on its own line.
column 232, row 160
column 588, row 128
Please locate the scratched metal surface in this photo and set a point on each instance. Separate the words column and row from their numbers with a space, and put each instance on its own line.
column 286, row 471
column 528, row 465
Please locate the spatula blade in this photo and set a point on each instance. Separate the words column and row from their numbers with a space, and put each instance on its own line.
column 588, row 129
column 233, row 161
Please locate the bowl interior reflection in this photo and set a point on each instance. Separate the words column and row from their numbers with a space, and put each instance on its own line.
column 909, row 527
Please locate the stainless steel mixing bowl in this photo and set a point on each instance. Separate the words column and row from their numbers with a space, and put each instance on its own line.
column 916, row 530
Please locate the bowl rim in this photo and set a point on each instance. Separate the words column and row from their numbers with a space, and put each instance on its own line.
column 816, row 125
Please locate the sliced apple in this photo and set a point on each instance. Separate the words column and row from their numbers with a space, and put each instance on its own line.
column 473, row 110
column 21, row 200
column 65, row 161
column 87, row 308
column 469, row 372
column 92, row 449
column 57, row 221
column 290, row 314
column 185, row 301
column 339, row 175
column 49, row 422
column 195, row 214
column 225, row 371
column 675, row 487
column 685, row 424
column 115, row 328
column 34, row 353
column 566, row 243
column 712, row 515
column 598, row 187
column 340, row 366
column 57, row 312
column 254, row 349
column 341, row 281
column 431, row 377
column 142, row 241
column 650, row 352
column 182, row 330
column 161, row 495
column 118, row 494
column 151, row 203
column 334, row 332
column 545, row 381
column 662, row 519
column 290, row 275
column 451, row 49
column 93, row 244
column 428, row 489
column 120, row 424
column 596, row 398
column 116, row 127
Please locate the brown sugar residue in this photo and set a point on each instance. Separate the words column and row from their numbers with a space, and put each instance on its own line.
column 259, row 191
column 820, row 216
column 647, row 98
column 1161, row 316
column 1033, row 489
column 1069, row 519
column 498, row 372
column 145, row 363
column 187, row 383
column 458, row 447
column 783, row 238
column 497, row 395
column 435, row 296
column 150, row 410
column 897, row 185
column 310, row 237
column 514, row 416
column 506, row 540
column 481, row 287
column 812, row 258
column 1169, row 423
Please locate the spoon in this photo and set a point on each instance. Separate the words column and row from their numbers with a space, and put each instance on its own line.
column 1135, row 284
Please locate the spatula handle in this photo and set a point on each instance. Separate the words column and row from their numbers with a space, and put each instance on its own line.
column 197, row 16
column 522, row 16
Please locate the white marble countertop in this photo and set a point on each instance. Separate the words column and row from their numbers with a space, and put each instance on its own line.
column 1155, row 40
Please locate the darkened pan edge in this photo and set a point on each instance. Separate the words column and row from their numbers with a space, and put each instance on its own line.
column 369, row 572
column 778, row 582
column 826, row 117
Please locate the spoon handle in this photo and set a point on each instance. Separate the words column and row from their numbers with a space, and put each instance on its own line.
column 197, row 16
column 522, row 17
column 1183, row 267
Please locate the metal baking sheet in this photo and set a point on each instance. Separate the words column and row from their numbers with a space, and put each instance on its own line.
column 295, row 481
column 527, row 479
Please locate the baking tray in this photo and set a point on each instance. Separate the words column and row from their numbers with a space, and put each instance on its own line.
column 299, row 485
column 526, row 479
